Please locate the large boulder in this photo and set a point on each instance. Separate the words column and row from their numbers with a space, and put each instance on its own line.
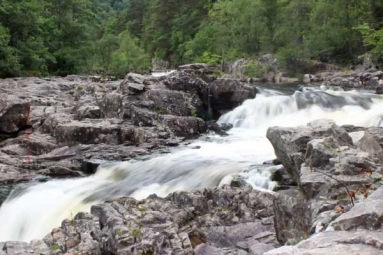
column 292, row 218
column 187, row 82
column 176, row 103
column 14, row 113
column 111, row 105
column 226, row 94
column 184, row 126
column 290, row 144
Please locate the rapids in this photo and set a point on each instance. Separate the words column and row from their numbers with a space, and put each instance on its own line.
column 32, row 212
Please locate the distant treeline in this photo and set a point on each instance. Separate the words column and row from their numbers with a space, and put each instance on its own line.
column 59, row 37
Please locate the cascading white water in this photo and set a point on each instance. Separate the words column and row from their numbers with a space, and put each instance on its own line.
column 36, row 210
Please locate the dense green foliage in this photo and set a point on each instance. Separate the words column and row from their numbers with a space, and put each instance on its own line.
column 59, row 37
column 45, row 37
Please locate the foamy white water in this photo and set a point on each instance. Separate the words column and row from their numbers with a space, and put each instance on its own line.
column 38, row 209
column 162, row 73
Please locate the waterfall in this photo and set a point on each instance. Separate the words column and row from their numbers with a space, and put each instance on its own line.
column 34, row 211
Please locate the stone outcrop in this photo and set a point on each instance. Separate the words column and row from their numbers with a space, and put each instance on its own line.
column 54, row 127
column 226, row 94
column 336, row 208
column 370, row 79
column 223, row 221
column 315, row 217
column 14, row 113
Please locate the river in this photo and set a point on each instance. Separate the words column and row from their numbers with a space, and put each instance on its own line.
column 32, row 212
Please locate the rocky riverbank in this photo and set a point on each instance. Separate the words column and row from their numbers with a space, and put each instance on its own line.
column 65, row 127
column 328, row 199
column 331, row 205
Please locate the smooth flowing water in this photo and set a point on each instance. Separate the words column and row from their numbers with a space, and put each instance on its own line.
column 34, row 211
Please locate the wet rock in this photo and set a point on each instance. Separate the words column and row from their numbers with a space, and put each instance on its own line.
column 280, row 175
column 379, row 88
column 59, row 172
column 309, row 78
column 184, row 126
column 218, row 128
column 226, row 94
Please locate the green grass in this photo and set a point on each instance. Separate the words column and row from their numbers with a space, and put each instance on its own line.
column 136, row 233
column 119, row 232
column 142, row 208
column 193, row 113
column 55, row 247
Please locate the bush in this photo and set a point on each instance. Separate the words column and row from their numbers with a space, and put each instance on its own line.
column 129, row 57
column 373, row 39
column 209, row 58
column 254, row 70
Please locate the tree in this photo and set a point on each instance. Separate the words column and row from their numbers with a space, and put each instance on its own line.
column 129, row 57
column 9, row 65
column 24, row 22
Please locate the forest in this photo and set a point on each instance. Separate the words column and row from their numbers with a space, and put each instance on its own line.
column 61, row 37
